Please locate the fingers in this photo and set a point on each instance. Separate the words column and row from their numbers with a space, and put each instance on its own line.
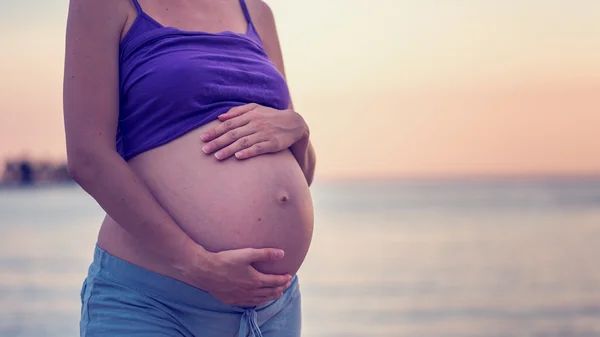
column 224, row 127
column 239, row 145
column 271, row 292
column 258, row 149
column 263, row 295
column 230, row 137
column 260, row 295
column 273, row 281
column 237, row 111
column 263, row 254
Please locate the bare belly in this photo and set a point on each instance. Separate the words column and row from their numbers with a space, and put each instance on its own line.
column 259, row 202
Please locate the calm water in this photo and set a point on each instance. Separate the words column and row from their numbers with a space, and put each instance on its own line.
column 476, row 259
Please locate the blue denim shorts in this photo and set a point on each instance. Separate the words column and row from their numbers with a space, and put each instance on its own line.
column 121, row 299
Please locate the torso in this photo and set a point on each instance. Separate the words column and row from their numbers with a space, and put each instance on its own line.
column 259, row 202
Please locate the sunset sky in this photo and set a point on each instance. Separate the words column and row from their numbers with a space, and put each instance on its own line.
column 388, row 87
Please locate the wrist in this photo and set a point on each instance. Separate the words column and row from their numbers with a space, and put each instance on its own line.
column 303, row 130
column 193, row 260
column 304, row 134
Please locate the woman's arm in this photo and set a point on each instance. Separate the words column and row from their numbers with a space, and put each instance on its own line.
column 264, row 21
column 90, row 101
column 91, row 105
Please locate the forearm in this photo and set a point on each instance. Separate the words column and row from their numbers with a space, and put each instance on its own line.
column 305, row 155
column 126, row 199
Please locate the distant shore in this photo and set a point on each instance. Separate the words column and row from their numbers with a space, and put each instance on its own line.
column 23, row 171
column 27, row 172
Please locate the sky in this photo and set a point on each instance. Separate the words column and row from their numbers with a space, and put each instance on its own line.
column 388, row 87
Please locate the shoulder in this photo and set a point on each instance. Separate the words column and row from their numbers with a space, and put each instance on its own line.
column 107, row 16
column 259, row 9
column 262, row 16
column 264, row 22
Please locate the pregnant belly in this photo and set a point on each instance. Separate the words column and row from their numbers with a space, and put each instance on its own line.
column 259, row 202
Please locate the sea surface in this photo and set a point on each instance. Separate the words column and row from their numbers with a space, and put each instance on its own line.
column 469, row 258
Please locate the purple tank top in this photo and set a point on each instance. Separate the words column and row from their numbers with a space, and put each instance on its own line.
column 173, row 81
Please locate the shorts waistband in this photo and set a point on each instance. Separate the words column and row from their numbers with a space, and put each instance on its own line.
column 161, row 286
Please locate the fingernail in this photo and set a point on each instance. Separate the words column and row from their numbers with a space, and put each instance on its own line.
column 205, row 149
column 278, row 253
column 238, row 154
column 218, row 155
column 204, row 136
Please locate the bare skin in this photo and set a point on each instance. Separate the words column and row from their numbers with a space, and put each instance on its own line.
column 222, row 226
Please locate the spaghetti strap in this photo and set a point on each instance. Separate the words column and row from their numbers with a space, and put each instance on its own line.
column 137, row 6
column 245, row 10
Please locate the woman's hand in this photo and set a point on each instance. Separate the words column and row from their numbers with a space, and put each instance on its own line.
column 230, row 277
column 251, row 130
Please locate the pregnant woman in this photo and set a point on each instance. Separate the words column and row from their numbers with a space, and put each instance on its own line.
column 180, row 125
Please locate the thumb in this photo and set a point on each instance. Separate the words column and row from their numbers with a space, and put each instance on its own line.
column 262, row 254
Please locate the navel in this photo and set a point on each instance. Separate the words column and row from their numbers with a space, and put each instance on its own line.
column 283, row 198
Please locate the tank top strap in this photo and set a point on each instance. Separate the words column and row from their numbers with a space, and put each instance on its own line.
column 137, row 6
column 245, row 10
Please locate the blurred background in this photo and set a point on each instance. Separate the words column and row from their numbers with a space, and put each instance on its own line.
column 458, row 184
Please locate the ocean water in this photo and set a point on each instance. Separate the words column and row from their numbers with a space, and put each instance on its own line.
column 427, row 259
